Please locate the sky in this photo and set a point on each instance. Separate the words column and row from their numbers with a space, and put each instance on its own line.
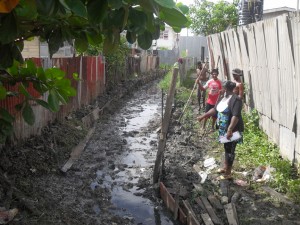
column 268, row 4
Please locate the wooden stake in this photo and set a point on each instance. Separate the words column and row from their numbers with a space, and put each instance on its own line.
column 164, row 127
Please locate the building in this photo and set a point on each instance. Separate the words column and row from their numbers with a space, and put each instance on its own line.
column 168, row 40
column 38, row 49
column 271, row 13
column 170, row 46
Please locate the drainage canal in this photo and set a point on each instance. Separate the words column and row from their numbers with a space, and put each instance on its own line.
column 137, row 125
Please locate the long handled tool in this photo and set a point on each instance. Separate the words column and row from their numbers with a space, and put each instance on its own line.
column 195, row 85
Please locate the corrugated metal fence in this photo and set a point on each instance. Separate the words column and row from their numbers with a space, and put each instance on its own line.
column 269, row 54
column 91, row 85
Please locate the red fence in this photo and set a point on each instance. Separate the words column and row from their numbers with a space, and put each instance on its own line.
column 91, row 72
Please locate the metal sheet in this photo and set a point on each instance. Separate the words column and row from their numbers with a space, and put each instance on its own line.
column 287, row 143
column 295, row 24
column 262, row 71
column 297, row 149
column 253, row 67
column 272, row 57
column 245, row 64
column 286, row 75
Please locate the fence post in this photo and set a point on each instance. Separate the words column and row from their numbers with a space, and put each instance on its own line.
column 164, row 127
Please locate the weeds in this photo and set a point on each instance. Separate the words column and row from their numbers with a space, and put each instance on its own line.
column 257, row 150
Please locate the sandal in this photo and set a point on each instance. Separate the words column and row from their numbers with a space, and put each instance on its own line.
column 221, row 170
column 225, row 177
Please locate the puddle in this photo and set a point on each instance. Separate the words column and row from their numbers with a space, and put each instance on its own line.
column 139, row 159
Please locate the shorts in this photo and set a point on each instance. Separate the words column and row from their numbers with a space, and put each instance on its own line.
column 209, row 107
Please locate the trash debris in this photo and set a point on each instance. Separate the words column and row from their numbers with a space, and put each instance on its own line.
column 267, row 174
column 209, row 162
column 79, row 128
column 258, row 172
column 203, row 176
column 241, row 182
column 263, row 173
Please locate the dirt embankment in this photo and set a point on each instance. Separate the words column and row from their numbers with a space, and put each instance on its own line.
column 31, row 179
column 186, row 151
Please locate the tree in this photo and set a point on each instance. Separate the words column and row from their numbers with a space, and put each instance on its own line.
column 209, row 18
column 86, row 22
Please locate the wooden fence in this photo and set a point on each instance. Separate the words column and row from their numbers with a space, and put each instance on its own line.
column 268, row 52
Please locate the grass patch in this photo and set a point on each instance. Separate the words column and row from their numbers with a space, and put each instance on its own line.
column 257, row 150
column 182, row 95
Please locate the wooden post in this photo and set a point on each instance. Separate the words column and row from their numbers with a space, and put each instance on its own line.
column 176, row 201
column 164, row 127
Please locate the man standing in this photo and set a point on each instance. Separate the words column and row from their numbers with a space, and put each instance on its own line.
column 201, row 79
column 214, row 87
column 239, row 89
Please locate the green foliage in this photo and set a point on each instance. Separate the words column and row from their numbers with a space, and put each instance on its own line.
column 165, row 66
column 294, row 190
column 116, row 59
column 164, row 84
column 208, row 17
column 85, row 21
column 256, row 150
column 188, row 82
column 183, row 54
column 51, row 80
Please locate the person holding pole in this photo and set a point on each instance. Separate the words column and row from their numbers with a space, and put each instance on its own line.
column 230, row 124
column 201, row 79
column 214, row 87
column 239, row 89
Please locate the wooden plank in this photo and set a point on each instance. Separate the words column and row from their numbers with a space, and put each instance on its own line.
column 191, row 216
column 176, row 202
column 224, row 184
column 210, row 210
column 76, row 152
column 206, row 219
column 279, row 196
column 182, row 217
column 215, row 202
column 234, row 212
column 170, row 203
column 199, row 202
column 231, row 216
column 167, row 198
